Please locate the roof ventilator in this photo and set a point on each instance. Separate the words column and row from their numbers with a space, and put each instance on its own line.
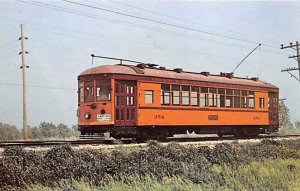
column 142, row 66
column 205, row 73
column 255, row 79
column 227, row 75
column 153, row 66
column 178, row 70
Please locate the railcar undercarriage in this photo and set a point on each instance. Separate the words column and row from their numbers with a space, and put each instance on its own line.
column 162, row 132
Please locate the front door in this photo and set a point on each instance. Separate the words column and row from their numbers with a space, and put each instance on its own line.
column 125, row 103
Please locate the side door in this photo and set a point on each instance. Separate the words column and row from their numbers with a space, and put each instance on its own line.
column 125, row 103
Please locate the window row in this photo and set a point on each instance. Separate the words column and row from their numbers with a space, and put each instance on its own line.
column 204, row 97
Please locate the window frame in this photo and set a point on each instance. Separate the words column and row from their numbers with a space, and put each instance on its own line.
column 92, row 98
column 149, row 93
column 164, row 94
column 108, row 90
column 185, row 95
column 261, row 102
column 195, row 89
column 204, row 97
column 176, row 88
column 212, row 97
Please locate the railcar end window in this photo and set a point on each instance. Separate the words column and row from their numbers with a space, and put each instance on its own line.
column 81, row 92
column 148, row 96
column 89, row 91
column 175, row 94
column 165, row 94
column 103, row 90
column 185, row 95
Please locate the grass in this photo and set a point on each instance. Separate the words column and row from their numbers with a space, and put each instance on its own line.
column 270, row 174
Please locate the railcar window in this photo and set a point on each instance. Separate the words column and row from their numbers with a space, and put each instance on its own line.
column 237, row 98
column 244, row 99
column 129, row 100
column 165, row 94
column 212, row 97
column 185, row 95
column 81, row 92
column 129, row 90
column 204, row 97
column 195, row 96
column 251, row 99
column 261, row 102
column 176, row 95
column 89, row 91
column 103, row 90
column 221, row 97
column 229, row 98
column 148, row 96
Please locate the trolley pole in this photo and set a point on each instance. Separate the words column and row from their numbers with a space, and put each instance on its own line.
column 23, row 67
column 296, row 57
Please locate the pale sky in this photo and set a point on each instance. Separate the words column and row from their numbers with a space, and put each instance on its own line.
column 211, row 36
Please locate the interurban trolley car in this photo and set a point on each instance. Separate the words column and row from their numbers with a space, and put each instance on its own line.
column 145, row 101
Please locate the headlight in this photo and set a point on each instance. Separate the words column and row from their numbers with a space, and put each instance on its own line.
column 87, row 115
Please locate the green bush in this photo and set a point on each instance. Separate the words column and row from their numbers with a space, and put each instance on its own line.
column 208, row 167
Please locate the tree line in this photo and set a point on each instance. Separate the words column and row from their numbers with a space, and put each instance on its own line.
column 42, row 132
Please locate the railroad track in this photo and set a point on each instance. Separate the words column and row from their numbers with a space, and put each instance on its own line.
column 111, row 141
column 51, row 143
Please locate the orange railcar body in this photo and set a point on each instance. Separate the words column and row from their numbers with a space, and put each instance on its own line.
column 157, row 114
column 126, row 111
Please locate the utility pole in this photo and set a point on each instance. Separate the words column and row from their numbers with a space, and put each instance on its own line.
column 23, row 67
column 296, row 57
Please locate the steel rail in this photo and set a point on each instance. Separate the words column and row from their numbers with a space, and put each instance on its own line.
column 128, row 141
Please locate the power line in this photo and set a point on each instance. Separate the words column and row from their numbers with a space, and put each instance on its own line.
column 173, row 17
column 159, row 22
column 122, row 22
column 167, row 24
column 49, row 6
